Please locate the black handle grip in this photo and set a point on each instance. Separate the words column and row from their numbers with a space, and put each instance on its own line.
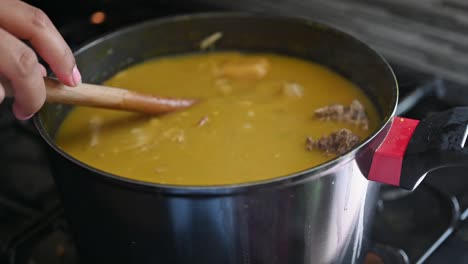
column 438, row 141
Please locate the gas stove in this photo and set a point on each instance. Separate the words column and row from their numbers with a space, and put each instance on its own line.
column 429, row 225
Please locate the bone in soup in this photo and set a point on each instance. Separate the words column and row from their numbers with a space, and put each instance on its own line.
column 260, row 116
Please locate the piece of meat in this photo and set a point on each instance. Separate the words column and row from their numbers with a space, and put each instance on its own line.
column 338, row 142
column 245, row 68
column 223, row 86
column 209, row 41
column 203, row 121
column 353, row 114
column 292, row 89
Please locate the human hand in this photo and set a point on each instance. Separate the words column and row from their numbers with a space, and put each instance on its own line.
column 19, row 64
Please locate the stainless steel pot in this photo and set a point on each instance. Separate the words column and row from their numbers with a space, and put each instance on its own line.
column 321, row 215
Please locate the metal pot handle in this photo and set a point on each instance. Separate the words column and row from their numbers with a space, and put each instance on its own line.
column 414, row 148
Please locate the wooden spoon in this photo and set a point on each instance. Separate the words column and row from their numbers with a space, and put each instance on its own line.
column 108, row 97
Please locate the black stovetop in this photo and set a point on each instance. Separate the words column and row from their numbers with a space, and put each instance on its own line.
column 429, row 225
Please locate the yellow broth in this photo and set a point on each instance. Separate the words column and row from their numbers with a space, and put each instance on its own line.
column 246, row 127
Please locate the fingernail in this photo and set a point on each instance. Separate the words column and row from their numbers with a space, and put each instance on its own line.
column 43, row 70
column 76, row 75
column 19, row 114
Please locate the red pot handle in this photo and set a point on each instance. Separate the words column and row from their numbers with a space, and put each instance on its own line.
column 413, row 148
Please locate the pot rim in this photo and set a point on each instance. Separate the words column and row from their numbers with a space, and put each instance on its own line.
column 293, row 178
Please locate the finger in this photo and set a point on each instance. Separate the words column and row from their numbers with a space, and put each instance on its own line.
column 2, row 93
column 43, row 70
column 19, row 65
column 30, row 23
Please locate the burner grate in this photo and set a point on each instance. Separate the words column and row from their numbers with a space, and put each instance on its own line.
column 43, row 239
column 427, row 214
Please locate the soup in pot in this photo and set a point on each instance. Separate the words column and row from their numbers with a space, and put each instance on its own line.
column 260, row 116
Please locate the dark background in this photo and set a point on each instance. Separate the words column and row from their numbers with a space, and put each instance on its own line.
column 428, row 35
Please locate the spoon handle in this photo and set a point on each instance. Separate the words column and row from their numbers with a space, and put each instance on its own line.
column 108, row 97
